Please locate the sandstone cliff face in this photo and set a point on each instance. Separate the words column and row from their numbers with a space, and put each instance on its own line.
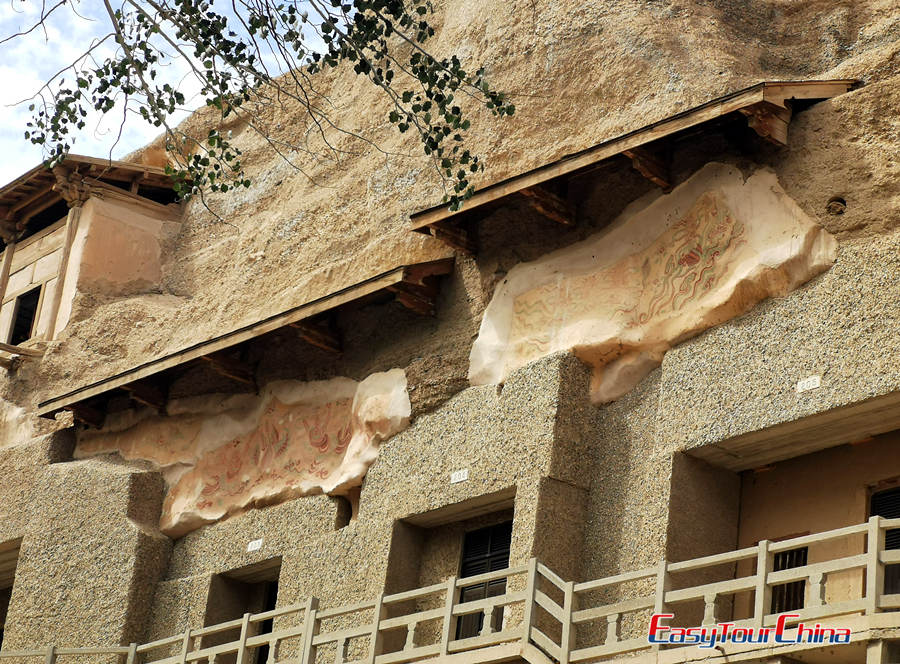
column 579, row 73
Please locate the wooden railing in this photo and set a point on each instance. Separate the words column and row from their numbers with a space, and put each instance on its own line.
column 568, row 622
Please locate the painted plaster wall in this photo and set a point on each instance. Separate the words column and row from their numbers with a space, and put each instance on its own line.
column 659, row 274
column 224, row 454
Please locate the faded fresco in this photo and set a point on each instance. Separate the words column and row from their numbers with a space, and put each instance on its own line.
column 223, row 455
column 689, row 260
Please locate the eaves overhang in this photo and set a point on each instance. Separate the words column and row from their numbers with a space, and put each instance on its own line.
column 765, row 107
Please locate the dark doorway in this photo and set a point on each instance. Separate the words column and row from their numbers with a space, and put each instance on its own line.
column 252, row 589
column 887, row 504
column 484, row 550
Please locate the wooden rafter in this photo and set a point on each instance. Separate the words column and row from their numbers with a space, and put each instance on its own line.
column 549, row 205
column 321, row 335
column 766, row 106
column 652, row 165
column 230, row 367
column 147, row 394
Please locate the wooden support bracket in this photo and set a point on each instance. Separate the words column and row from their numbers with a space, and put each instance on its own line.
column 651, row 165
column 456, row 236
column 146, row 394
column 418, row 289
column 322, row 336
column 549, row 205
column 769, row 121
column 88, row 415
column 230, row 367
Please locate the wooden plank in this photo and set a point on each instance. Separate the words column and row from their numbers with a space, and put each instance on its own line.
column 715, row 108
column 21, row 350
column 230, row 368
column 146, row 394
column 230, row 339
column 72, row 221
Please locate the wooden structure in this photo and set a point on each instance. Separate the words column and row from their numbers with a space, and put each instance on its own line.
column 39, row 214
column 765, row 107
column 413, row 286
column 41, row 188
column 548, row 619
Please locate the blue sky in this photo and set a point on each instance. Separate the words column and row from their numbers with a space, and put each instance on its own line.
column 27, row 62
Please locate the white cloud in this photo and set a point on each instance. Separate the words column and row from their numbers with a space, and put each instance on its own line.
column 27, row 62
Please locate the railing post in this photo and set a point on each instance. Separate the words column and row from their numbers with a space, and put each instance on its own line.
column 763, row 595
column 612, row 628
column 131, row 658
column 567, row 640
column 874, row 567
column 185, row 645
column 310, row 630
column 242, row 644
column 375, row 640
column 662, row 586
column 709, row 609
column 50, row 657
column 410, row 636
column 530, row 590
column 816, row 590
column 449, row 621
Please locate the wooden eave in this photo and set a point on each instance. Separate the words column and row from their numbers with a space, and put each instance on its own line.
column 414, row 286
column 767, row 107
column 36, row 190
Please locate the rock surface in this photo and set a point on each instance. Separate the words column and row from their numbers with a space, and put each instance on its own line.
column 687, row 261
column 222, row 455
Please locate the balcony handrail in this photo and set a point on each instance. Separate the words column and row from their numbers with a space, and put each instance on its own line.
column 539, row 609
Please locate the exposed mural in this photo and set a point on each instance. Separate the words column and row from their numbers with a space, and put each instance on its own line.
column 224, row 454
column 661, row 273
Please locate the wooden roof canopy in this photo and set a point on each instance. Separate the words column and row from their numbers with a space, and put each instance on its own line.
column 766, row 106
column 413, row 286
column 37, row 190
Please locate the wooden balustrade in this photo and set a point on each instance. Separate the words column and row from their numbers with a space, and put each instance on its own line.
column 569, row 622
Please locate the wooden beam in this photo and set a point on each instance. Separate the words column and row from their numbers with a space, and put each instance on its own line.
column 318, row 335
column 87, row 415
column 769, row 121
column 455, row 235
column 146, row 394
column 19, row 350
column 651, row 165
column 420, row 299
column 230, row 367
column 549, row 205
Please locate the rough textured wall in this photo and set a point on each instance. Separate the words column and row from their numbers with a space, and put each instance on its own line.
column 87, row 512
column 290, row 237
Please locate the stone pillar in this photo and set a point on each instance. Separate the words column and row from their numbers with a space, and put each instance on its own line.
column 90, row 558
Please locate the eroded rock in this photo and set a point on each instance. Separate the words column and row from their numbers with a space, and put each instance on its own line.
column 661, row 273
column 224, row 454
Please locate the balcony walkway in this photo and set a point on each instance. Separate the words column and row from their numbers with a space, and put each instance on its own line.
column 542, row 619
